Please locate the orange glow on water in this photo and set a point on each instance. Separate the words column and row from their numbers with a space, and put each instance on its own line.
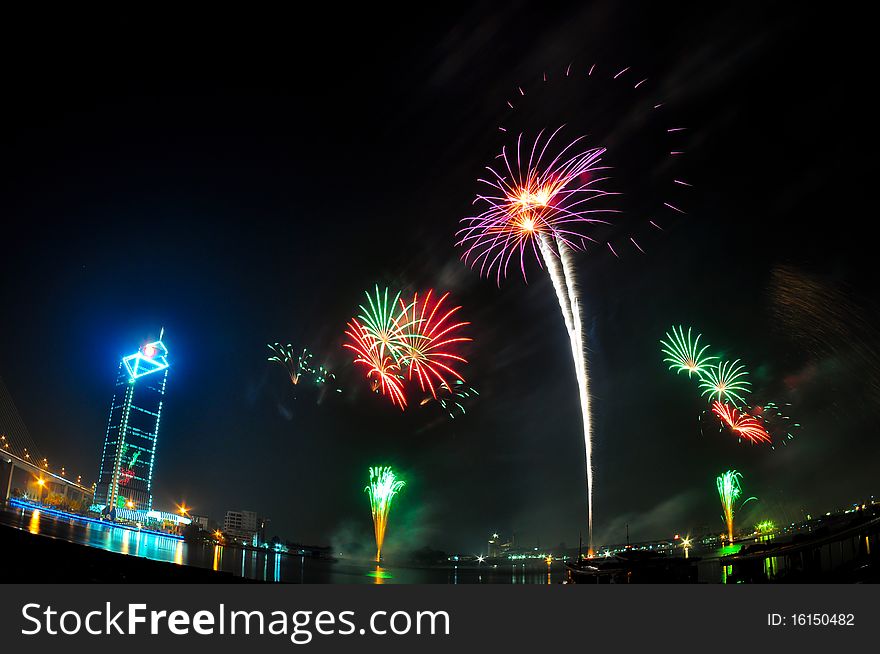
column 178, row 553
column 34, row 525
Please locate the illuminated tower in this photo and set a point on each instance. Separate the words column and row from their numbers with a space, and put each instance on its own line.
column 126, row 476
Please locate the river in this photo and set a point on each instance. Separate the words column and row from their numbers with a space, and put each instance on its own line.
column 267, row 565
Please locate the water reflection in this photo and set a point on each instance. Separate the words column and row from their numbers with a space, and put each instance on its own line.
column 771, row 567
column 284, row 568
column 379, row 575
column 34, row 526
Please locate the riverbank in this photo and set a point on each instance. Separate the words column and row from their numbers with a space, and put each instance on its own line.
column 32, row 558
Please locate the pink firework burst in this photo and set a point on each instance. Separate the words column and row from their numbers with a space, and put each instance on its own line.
column 621, row 109
column 383, row 370
column 538, row 196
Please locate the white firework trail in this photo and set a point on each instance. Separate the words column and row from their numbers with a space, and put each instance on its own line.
column 566, row 292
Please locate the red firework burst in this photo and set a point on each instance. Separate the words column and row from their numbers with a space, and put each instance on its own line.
column 425, row 351
column 383, row 370
column 741, row 424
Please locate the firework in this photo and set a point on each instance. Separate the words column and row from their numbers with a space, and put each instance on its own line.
column 398, row 339
column 383, row 370
column 425, row 352
column 451, row 399
column 729, row 491
column 683, row 353
column 775, row 421
column 296, row 365
column 323, row 375
column 600, row 95
column 531, row 204
column 544, row 209
column 387, row 323
column 765, row 526
column 383, row 486
column 725, row 382
column 740, row 423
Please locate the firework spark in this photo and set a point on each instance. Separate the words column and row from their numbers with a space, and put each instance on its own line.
column 452, row 399
column 683, row 353
column 543, row 208
column 725, row 382
column 383, row 486
column 780, row 426
column 425, row 352
column 729, row 491
column 742, row 424
column 383, row 370
column 296, row 365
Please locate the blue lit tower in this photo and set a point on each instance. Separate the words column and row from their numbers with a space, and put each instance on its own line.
column 126, row 475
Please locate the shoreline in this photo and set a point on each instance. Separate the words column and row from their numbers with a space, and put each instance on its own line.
column 40, row 558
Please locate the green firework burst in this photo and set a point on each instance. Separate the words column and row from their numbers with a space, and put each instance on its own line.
column 726, row 382
column 683, row 352
column 386, row 322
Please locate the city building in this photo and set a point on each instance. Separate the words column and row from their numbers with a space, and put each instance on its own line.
column 498, row 547
column 246, row 527
column 125, row 477
column 203, row 521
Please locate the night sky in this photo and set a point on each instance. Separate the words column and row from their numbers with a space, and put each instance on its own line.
column 242, row 180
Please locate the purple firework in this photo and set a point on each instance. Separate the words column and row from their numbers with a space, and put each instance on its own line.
column 531, row 202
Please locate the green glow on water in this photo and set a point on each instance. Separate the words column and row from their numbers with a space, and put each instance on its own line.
column 379, row 573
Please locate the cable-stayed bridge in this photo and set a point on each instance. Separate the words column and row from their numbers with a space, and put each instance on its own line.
column 23, row 465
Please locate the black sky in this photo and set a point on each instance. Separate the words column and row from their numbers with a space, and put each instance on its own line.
column 242, row 179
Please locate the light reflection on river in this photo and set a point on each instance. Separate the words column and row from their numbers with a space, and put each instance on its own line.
column 267, row 565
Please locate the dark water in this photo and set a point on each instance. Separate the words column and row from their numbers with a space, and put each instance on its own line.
column 268, row 566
